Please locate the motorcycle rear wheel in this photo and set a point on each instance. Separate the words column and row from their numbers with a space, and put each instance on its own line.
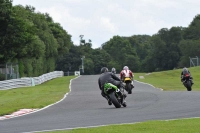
column 114, row 100
column 129, row 88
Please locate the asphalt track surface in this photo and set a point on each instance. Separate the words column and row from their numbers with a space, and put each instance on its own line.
column 84, row 106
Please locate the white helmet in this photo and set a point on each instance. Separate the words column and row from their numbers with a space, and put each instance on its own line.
column 126, row 68
column 113, row 70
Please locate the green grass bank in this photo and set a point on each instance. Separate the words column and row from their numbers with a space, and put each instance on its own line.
column 34, row 97
column 170, row 80
column 172, row 126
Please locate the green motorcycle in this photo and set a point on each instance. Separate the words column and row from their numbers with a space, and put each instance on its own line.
column 116, row 96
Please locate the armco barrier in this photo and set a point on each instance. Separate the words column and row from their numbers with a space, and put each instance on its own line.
column 29, row 81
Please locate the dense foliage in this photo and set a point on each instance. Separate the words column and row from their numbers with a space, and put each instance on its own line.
column 39, row 45
column 30, row 39
column 165, row 50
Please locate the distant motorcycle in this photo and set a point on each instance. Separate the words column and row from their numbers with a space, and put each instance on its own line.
column 117, row 97
column 187, row 82
column 128, row 85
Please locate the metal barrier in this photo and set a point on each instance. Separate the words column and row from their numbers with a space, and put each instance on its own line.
column 194, row 61
column 29, row 81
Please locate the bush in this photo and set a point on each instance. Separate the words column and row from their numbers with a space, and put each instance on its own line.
column 2, row 76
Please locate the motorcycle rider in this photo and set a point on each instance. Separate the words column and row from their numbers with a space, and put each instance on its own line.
column 186, row 71
column 126, row 73
column 113, row 70
column 108, row 77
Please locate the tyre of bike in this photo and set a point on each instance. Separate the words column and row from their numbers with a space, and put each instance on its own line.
column 114, row 99
column 189, row 86
column 129, row 88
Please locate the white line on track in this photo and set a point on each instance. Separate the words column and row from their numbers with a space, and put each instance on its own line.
column 149, row 84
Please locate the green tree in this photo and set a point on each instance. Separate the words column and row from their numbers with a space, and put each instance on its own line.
column 193, row 30
column 158, row 53
column 189, row 48
column 101, row 59
column 118, row 47
column 5, row 16
column 88, row 66
column 62, row 37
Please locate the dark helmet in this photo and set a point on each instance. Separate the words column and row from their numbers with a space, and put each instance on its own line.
column 113, row 70
column 185, row 70
column 104, row 69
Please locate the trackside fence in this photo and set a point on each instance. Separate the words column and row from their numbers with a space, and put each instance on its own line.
column 29, row 81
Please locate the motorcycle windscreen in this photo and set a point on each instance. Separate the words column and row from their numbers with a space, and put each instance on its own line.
column 185, row 72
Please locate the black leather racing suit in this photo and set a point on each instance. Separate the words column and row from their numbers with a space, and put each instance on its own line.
column 108, row 77
column 186, row 72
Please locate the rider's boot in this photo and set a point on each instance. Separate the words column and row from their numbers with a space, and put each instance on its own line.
column 191, row 78
column 192, row 82
column 109, row 101
column 122, row 86
column 124, row 102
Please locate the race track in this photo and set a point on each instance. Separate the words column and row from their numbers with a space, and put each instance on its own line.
column 84, row 106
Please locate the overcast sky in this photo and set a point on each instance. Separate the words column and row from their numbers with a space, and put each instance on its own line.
column 100, row 20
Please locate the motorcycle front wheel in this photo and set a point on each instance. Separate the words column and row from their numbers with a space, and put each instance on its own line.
column 189, row 86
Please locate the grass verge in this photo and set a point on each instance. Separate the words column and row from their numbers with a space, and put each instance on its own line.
column 170, row 80
column 34, row 97
column 173, row 126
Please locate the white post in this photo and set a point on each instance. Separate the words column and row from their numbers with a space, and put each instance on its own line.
column 83, row 63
